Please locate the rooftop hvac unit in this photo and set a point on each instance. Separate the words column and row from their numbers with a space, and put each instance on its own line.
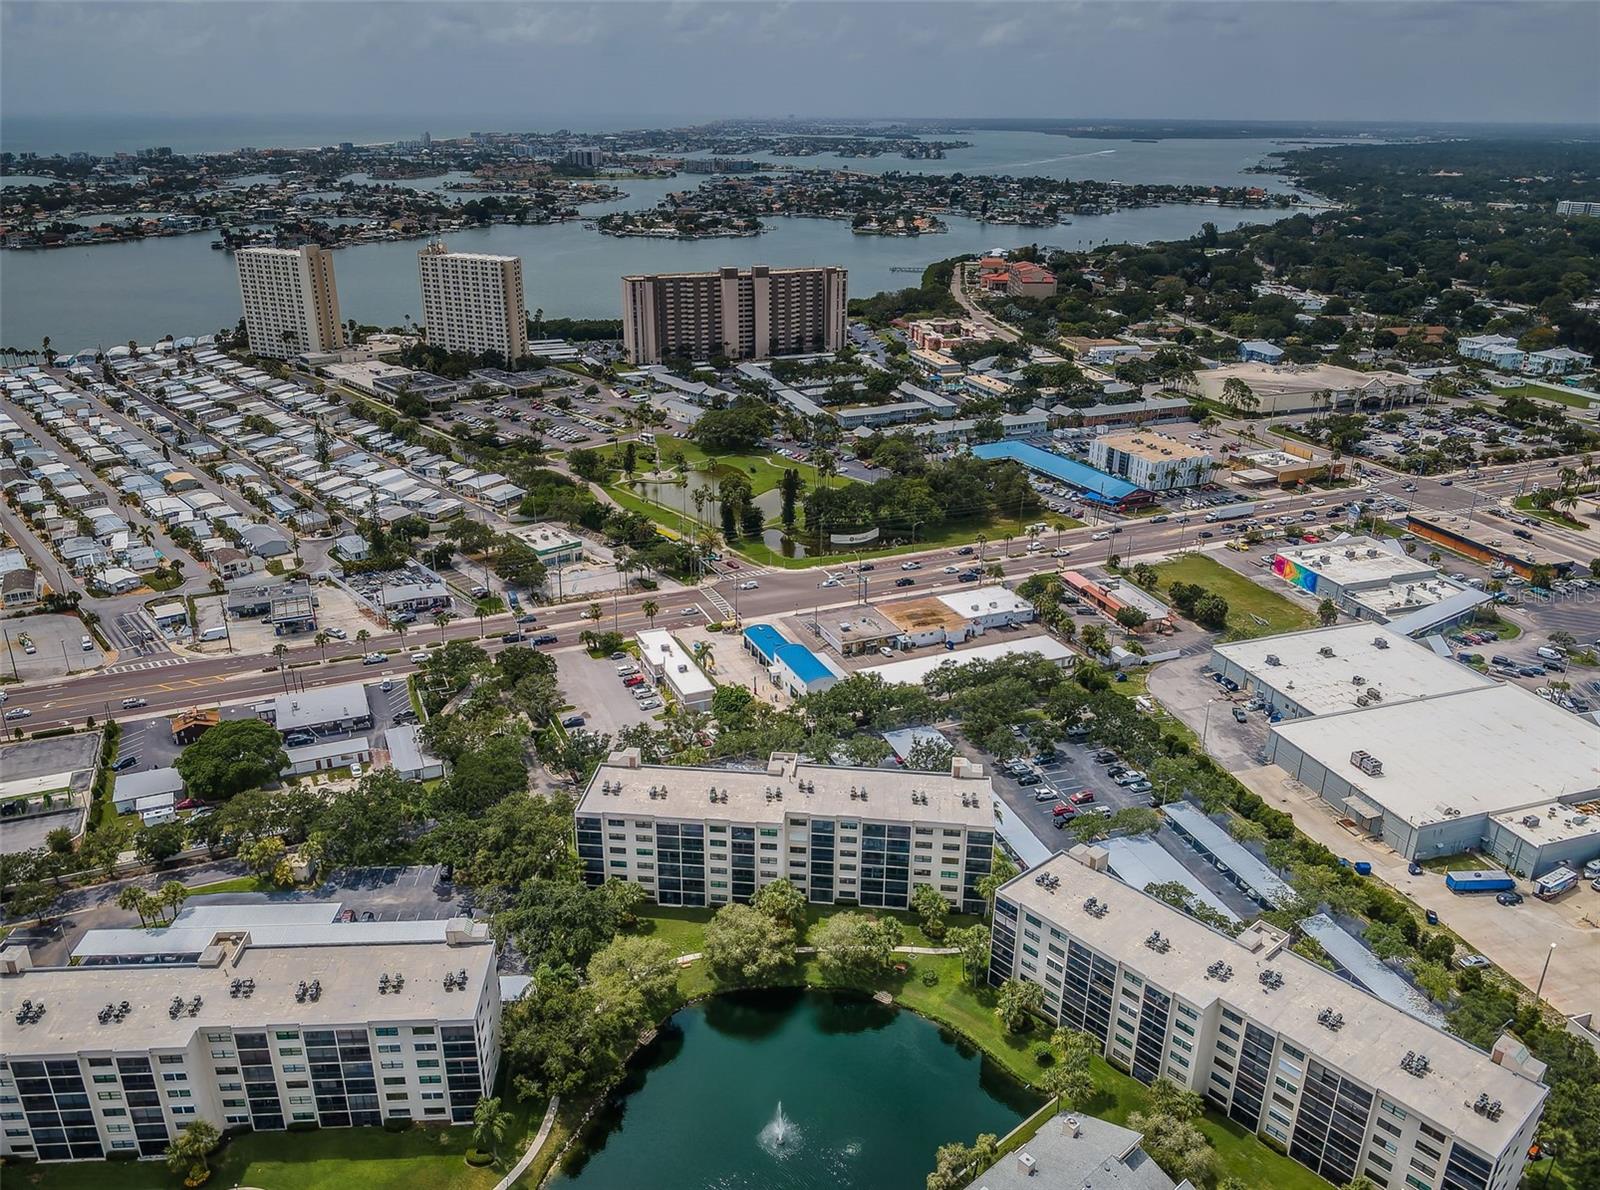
column 1349, row 553
column 1375, row 694
column 1380, row 642
column 1371, row 552
column 1530, row 820
column 1274, row 659
column 1366, row 762
column 1325, row 651
column 1357, row 680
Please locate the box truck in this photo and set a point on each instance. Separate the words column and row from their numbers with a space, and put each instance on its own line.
column 1479, row 880
column 1553, row 884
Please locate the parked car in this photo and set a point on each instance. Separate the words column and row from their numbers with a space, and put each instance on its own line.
column 1025, row 779
column 336, row 633
column 1414, row 868
column 1239, row 715
column 125, row 763
column 1471, row 962
column 1509, row 898
column 633, row 680
column 1082, row 798
column 573, row 721
column 1064, row 810
column 1139, row 787
column 1431, row 917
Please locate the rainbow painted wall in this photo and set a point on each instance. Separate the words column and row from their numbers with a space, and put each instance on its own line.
column 1291, row 571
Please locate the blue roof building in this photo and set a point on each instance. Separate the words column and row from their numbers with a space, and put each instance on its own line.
column 1100, row 487
column 1259, row 351
column 793, row 668
column 764, row 641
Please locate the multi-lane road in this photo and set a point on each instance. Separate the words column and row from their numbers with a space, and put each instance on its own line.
column 173, row 683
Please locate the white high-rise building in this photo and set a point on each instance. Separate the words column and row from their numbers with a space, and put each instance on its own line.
column 291, row 302
column 1345, row 1083
column 742, row 315
column 472, row 302
column 261, row 1020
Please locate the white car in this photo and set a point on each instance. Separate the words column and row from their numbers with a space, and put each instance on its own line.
column 749, row 584
column 18, row 713
column 952, row 570
column 419, row 657
column 831, row 582
column 1103, row 535
column 911, row 566
column 1060, row 552
column 336, row 633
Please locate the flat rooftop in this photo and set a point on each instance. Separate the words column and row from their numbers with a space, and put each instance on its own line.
column 661, row 649
column 923, row 614
column 1399, row 668
column 914, row 669
column 1357, row 561
column 1557, row 822
column 1369, row 1047
column 1079, row 475
column 325, row 704
column 623, row 785
column 1479, row 751
column 74, row 996
column 1146, row 444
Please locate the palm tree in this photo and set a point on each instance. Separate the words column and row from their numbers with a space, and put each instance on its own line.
column 321, row 640
column 441, row 620
column 996, row 571
column 135, row 900
column 280, row 651
column 363, row 637
column 651, row 610
column 983, row 540
column 400, row 627
column 483, row 608
column 592, row 612
column 490, row 1123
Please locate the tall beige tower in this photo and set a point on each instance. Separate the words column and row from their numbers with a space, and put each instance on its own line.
column 742, row 315
column 473, row 302
column 291, row 301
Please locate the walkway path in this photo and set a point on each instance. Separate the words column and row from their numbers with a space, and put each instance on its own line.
column 532, row 1151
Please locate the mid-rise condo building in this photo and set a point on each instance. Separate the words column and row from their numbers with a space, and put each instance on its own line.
column 867, row 836
column 1344, row 1082
column 103, row 1059
column 740, row 315
column 1155, row 462
column 472, row 302
column 291, row 301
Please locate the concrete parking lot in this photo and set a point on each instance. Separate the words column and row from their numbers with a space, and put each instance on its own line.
column 1073, row 770
column 597, row 693
column 1206, row 708
column 57, row 643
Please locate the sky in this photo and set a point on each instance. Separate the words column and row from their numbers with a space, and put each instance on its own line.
column 542, row 65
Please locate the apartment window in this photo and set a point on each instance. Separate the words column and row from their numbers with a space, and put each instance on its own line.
column 1429, row 1130
column 175, row 1078
column 398, row 1081
column 1417, row 1183
column 101, row 1078
column 287, row 1035
column 387, row 1031
column 171, row 1059
column 428, row 1080
column 385, row 1049
column 288, row 1051
column 108, row 1095
column 1393, row 1109
column 427, row 1063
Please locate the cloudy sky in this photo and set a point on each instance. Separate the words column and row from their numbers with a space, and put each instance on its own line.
column 537, row 65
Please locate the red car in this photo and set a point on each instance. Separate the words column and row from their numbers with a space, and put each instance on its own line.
column 189, row 803
column 1083, row 797
column 1063, row 810
column 634, row 680
column 1311, row 539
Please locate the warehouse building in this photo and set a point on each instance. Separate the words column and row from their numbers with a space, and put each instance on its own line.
column 1325, row 670
column 117, row 1061
column 1345, row 1083
column 325, row 710
column 867, row 836
column 1428, row 775
column 1372, row 579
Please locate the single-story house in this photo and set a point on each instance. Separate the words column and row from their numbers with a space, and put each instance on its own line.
column 133, row 787
column 407, row 756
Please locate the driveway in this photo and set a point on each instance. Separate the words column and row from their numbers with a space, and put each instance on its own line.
column 1516, row 939
column 1206, row 709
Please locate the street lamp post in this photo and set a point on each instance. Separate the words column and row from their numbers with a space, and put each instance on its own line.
column 1540, row 989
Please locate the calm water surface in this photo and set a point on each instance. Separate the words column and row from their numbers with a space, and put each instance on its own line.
column 96, row 296
column 868, row 1094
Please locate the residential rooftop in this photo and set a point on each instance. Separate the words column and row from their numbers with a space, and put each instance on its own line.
column 1369, row 1048
column 1478, row 751
column 73, row 996
column 788, row 784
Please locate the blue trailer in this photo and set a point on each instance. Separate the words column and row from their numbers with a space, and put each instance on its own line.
column 1479, row 880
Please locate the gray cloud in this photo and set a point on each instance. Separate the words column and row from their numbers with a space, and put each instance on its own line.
column 534, row 64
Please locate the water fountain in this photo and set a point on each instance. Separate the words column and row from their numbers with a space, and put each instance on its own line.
column 780, row 1133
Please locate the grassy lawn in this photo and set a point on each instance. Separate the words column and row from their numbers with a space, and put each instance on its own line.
column 239, row 884
column 1539, row 392
column 685, row 928
column 1525, row 504
column 1504, row 628
column 1252, row 610
column 1462, row 861
column 764, row 471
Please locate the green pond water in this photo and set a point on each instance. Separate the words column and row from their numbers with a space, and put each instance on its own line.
column 867, row 1093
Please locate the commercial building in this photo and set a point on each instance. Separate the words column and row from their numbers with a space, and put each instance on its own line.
column 1311, row 388
column 1427, row 775
column 291, row 301
column 116, row 1062
column 669, row 665
column 1094, row 485
column 1295, row 463
column 407, row 755
column 792, row 668
column 323, row 710
column 472, row 302
column 1370, row 578
column 1479, row 543
column 554, row 545
column 957, row 617
column 866, row 836
column 325, row 756
column 1569, row 206
column 1259, row 351
column 913, row 670
column 740, row 315
column 165, row 785
column 1154, row 462
column 1343, row 1082
column 1326, row 670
